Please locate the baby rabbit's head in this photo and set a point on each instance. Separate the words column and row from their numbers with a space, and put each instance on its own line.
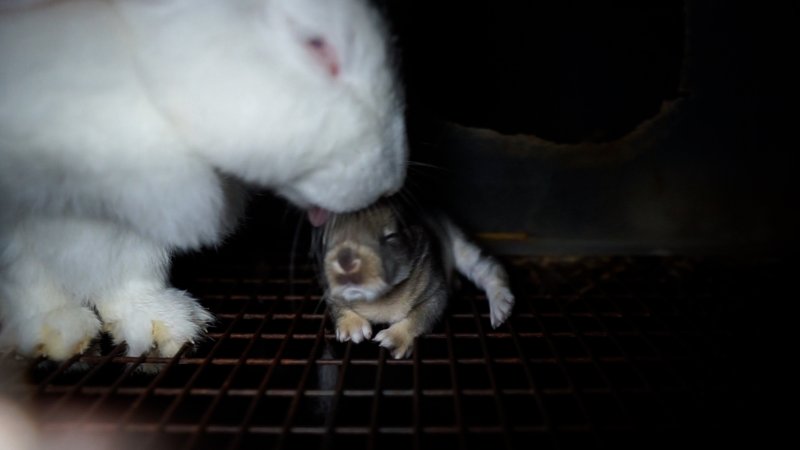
column 366, row 253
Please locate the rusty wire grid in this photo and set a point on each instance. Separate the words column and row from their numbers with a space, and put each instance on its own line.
column 600, row 352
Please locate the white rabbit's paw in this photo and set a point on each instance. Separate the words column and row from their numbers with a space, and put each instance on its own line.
column 57, row 334
column 156, row 323
column 67, row 331
column 352, row 327
column 501, row 301
column 171, row 333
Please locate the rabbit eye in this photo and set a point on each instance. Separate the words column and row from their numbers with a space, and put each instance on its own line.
column 316, row 43
column 390, row 238
column 324, row 53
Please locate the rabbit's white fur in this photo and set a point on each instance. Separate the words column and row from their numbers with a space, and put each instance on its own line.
column 124, row 126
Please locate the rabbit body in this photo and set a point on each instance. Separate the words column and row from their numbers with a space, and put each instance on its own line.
column 393, row 265
column 127, row 129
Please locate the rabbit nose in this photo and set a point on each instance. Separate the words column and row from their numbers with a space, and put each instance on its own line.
column 347, row 261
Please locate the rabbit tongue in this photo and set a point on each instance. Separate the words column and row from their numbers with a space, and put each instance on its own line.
column 318, row 216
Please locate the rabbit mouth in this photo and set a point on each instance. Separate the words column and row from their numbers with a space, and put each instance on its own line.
column 318, row 216
column 353, row 293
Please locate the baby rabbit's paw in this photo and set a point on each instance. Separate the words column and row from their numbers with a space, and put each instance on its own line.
column 501, row 301
column 352, row 327
column 156, row 322
column 398, row 339
column 57, row 334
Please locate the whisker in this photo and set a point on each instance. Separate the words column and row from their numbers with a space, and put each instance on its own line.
column 293, row 252
column 320, row 303
column 410, row 200
column 391, row 203
column 420, row 164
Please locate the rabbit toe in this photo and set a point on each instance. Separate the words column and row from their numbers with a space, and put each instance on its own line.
column 156, row 323
column 352, row 327
column 397, row 339
column 501, row 302
column 57, row 334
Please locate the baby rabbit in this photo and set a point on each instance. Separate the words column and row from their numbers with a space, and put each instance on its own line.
column 388, row 264
column 127, row 128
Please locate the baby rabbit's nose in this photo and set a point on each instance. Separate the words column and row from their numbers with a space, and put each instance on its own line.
column 347, row 261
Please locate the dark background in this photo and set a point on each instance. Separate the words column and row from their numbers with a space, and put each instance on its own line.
column 564, row 71
column 596, row 127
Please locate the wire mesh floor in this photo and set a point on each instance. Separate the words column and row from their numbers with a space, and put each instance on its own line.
column 600, row 352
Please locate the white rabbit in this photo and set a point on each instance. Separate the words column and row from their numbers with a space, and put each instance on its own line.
column 125, row 125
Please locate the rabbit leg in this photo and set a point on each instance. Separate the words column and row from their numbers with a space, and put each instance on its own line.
column 399, row 337
column 152, row 318
column 485, row 272
column 350, row 326
column 138, row 306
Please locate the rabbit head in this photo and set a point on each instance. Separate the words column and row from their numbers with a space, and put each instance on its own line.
column 298, row 96
column 366, row 253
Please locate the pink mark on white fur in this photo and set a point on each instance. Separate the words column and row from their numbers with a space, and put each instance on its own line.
column 325, row 54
